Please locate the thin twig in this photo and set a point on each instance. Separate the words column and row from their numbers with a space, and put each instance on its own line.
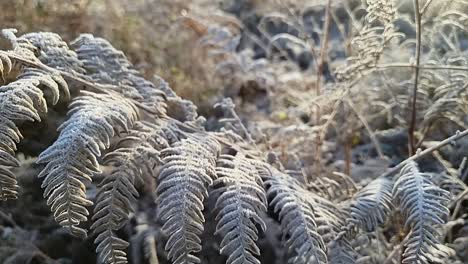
column 348, row 157
column 426, row 5
column 458, row 199
column 320, row 137
column 321, row 62
column 420, row 154
column 423, row 135
column 244, row 129
column 372, row 136
column 390, row 258
column 458, row 206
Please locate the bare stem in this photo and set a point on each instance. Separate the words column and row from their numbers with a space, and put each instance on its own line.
column 320, row 137
column 421, row 66
column 321, row 63
column 426, row 5
column 348, row 157
column 323, row 46
column 412, row 123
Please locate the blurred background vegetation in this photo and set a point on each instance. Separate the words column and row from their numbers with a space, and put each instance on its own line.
column 150, row 32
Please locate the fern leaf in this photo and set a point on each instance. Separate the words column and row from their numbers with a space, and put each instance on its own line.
column 115, row 202
column 297, row 218
column 105, row 64
column 188, row 170
column 22, row 100
column 341, row 252
column 370, row 206
column 380, row 10
column 240, row 204
column 72, row 159
column 115, row 198
column 5, row 66
column 8, row 185
column 117, row 194
column 378, row 32
column 424, row 207
column 54, row 52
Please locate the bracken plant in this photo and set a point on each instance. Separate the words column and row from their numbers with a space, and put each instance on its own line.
column 124, row 132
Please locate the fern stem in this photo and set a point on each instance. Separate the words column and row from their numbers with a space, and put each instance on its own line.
column 320, row 137
column 320, row 65
column 421, row 67
column 412, row 123
column 323, row 46
column 348, row 156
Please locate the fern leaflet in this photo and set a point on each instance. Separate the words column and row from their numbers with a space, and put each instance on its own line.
column 188, row 170
column 241, row 201
column 424, row 207
column 72, row 159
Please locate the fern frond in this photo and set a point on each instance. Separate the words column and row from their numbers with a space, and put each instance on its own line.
column 341, row 252
column 114, row 203
column 368, row 209
column 370, row 206
column 449, row 98
column 188, row 170
column 22, row 100
column 115, row 198
column 8, row 185
column 328, row 216
column 72, row 159
column 382, row 11
column 139, row 148
column 241, row 201
column 335, row 186
column 377, row 34
column 297, row 217
column 105, row 64
column 424, row 207
column 136, row 153
column 54, row 52
column 5, row 66
column 452, row 184
column 370, row 45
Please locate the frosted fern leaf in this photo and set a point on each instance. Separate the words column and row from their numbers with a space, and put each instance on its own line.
column 72, row 160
